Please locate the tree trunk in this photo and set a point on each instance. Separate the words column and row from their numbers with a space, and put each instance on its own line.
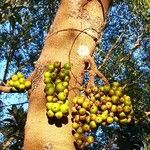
column 78, row 23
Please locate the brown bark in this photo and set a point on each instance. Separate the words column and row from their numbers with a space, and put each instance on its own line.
column 73, row 16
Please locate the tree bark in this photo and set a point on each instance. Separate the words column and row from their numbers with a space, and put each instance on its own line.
column 77, row 23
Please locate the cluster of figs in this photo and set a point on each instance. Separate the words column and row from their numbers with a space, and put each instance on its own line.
column 56, row 80
column 99, row 106
column 18, row 82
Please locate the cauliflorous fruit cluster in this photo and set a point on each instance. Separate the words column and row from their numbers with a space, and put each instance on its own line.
column 56, row 89
column 18, row 82
column 99, row 106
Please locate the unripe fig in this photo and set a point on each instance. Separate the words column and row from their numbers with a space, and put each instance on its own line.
column 11, row 83
column 80, row 99
column 14, row 77
column 55, row 107
column 16, row 84
column 59, row 115
column 108, row 105
column 77, row 136
column 22, row 80
column 127, row 109
column 122, row 115
column 49, row 106
column 22, row 87
column 113, row 108
column 111, row 92
column 124, row 121
column 94, row 109
column 47, row 74
column 116, row 84
column 109, row 120
column 64, row 108
column 20, row 75
column 50, row 113
column 50, row 91
column 106, row 88
column 119, row 108
column 103, row 107
column 62, row 96
column 86, row 127
column 93, row 124
column 90, row 139
column 92, row 117
column 27, row 84
column 82, row 111
column 75, row 125
column 114, row 99
column 67, row 66
column 98, row 119
column 51, row 67
column 80, row 130
column 74, row 110
column 79, row 142
column 47, row 80
column 118, row 93
column 88, row 119
column 57, row 64
column 60, row 87
column 49, row 98
column 86, row 104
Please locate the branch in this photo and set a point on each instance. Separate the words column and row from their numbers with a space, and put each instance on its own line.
column 110, row 52
column 5, row 89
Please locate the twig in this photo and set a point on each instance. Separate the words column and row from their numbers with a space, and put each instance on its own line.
column 110, row 51
column 94, row 69
column 5, row 89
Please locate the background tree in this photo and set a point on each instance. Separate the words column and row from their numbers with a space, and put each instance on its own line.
column 127, row 62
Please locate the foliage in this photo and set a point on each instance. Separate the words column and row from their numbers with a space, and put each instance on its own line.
column 12, row 128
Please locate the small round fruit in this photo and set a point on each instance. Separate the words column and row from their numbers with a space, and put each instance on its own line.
column 67, row 66
column 50, row 91
column 90, row 139
column 50, row 113
column 104, row 116
column 80, row 100
column 62, row 96
column 51, row 67
column 66, row 78
column 101, row 88
column 80, row 130
column 22, row 80
column 77, row 136
column 27, row 84
column 79, row 142
column 113, row 108
column 49, row 98
column 11, row 83
column 98, row 119
column 116, row 119
column 75, row 99
column 60, row 87
column 103, row 107
column 14, row 77
column 53, row 75
column 124, row 121
column 16, row 84
column 94, row 109
column 127, row 102
column 74, row 110
column 86, row 104
column 92, row 117
column 47, row 80
column 119, row 108
column 111, row 92
column 87, row 119
column 127, row 109
column 108, row 105
column 106, row 88
column 82, row 111
column 57, row 64
column 20, row 75
column 86, row 127
column 118, row 93
column 55, row 107
column 64, row 108
column 49, row 106
column 110, row 120
column 65, row 84
column 14, row 89
column 93, row 124
column 75, row 125
column 122, row 115
column 116, row 84
column 114, row 99
column 47, row 74
column 22, row 87
column 59, row 115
